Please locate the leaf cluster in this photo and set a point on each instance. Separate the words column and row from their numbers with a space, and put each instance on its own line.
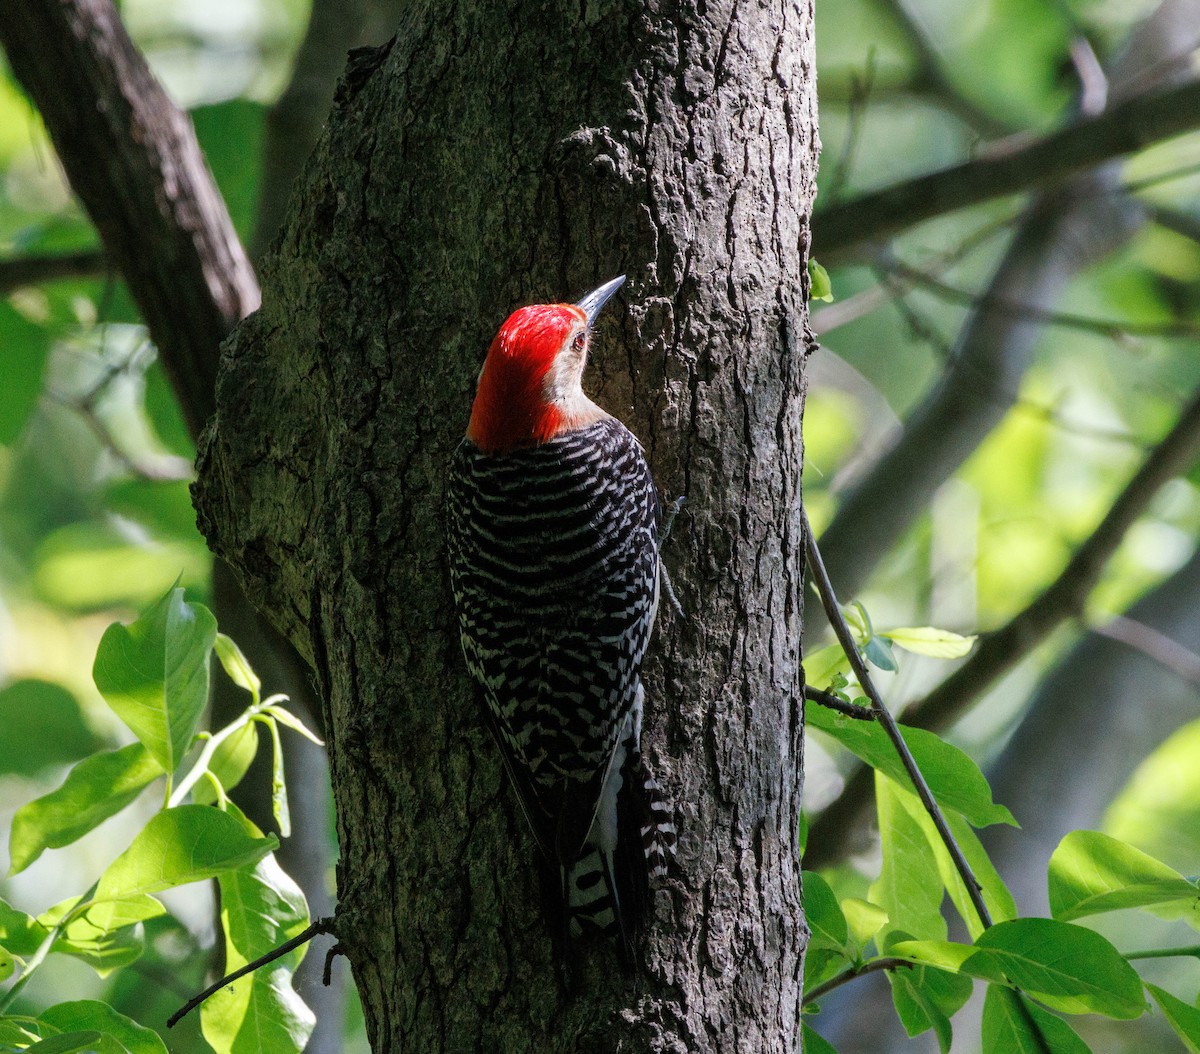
column 154, row 674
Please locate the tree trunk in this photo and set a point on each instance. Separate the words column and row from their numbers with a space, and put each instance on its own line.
column 476, row 163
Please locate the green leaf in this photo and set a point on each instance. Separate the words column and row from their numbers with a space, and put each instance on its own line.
column 819, row 285
column 179, row 846
column 105, row 936
column 230, row 762
column 996, row 895
column 290, row 720
column 814, row 1043
column 1182, row 1017
column 19, row 933
column 821, row 665
column 72, row 1042
column 926, row 998
column 878, row 652
column 98, row 787
column 41, row 724
column 17, row 1033
column 279, row 798
column 909, row 888
column 237, row 665
column 26, row 345
column 825, row 920
column 863, row 918
column 85, row 1014
column 154, row 674
column 926, row 640
column 1067, row 967
column 1009, row 1027
column 261, row 908
column 6, row 964
column 956, row 781
column 1091, row 872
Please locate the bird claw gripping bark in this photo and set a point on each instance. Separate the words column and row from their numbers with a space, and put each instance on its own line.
column 554, row 533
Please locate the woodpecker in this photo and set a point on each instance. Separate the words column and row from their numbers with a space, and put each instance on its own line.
column 554, row 565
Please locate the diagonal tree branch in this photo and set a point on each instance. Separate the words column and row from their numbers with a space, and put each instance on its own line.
column 1124, row 129
column 132, row 158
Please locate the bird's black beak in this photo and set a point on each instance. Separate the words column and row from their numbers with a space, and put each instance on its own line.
column 591, row 304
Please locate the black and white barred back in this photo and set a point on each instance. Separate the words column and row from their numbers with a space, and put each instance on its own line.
column 554, row 568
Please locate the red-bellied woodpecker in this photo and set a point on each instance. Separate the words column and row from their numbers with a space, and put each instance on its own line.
column 554, row 565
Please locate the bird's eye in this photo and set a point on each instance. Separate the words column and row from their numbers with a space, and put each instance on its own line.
column 579, row 342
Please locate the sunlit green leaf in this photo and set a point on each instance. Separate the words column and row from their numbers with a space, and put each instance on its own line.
column 83, row 1014
column 926, row 640
column 261, row 908
column 996, row 895
column 819, row 285
column 95, row 789
column 74, row 1042
column 1013, row 1024
column 19, row 933
column 179, row 846
column 237, row 665
column 821, row 665
column 909, row 887
column 17, row 1033
column 290, row 720
column 154, row 674
column 1092, row 872
column 6, row 963
column 823, row 915
column 1067, row 967
column 105, row 936
column 230, row 762
column 1183, row 1017
column 956, row 781
column 279, row 796
column 926, row 998
column 863, row 918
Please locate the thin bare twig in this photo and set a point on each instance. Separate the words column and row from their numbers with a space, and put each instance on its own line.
column 858, row 664
column 853, row 973
column 1115, row 329
column 835, row 702
column 319, row 926
column 1152, row 643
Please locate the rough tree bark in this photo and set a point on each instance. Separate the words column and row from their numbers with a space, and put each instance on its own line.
column 479, row 162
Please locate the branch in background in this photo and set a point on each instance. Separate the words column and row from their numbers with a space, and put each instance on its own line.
column 1112, row 328
column 932, row 79
column 1001, row 650
column 132, row 158
column 1153, row 643
column 1122, row 130
column 33, row 270
column 1060, row 234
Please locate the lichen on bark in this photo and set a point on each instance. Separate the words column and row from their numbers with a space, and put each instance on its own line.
column 488, row 157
